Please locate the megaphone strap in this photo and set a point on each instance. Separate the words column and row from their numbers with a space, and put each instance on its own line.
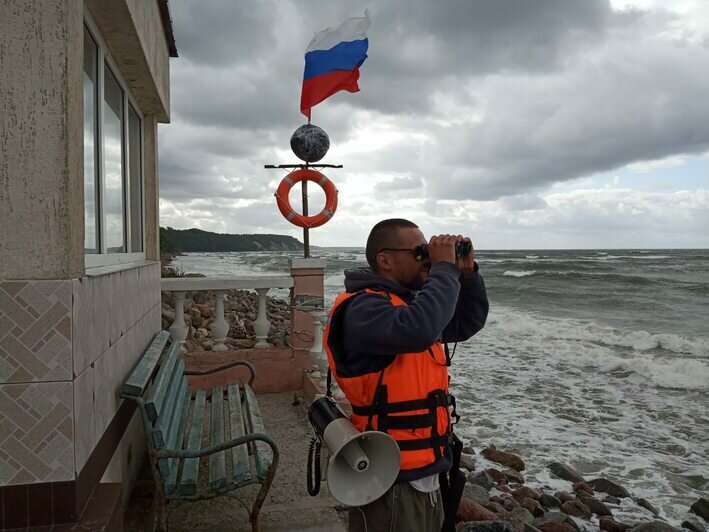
column 424, row 443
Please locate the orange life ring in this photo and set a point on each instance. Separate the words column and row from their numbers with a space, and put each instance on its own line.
column 298, row 219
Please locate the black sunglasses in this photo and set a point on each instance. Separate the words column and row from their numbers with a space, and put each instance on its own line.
column 420, row 252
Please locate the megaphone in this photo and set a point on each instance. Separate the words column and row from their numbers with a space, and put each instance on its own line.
column 362, row 465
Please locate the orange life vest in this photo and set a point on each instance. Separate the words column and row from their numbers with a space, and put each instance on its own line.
column 408, row 399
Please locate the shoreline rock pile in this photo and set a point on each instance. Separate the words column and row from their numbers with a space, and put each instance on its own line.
column 240, row 311
column 499, row 500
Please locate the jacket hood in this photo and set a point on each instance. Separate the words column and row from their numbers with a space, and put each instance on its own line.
column 362, row 278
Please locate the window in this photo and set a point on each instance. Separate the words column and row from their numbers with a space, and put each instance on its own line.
column 113, row 161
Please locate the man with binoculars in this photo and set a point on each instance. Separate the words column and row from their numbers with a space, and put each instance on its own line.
column 385, row 344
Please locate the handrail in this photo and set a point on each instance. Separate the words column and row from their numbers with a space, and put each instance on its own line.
column 245, row 282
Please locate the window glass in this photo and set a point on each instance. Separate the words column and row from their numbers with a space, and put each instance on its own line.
column 91, row 242
column 136, row 180
column 113, row 163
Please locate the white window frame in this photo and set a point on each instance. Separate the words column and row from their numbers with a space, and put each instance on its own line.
column 102, row 258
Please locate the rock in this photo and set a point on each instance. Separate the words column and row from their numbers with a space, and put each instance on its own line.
column 654, row 526
column 644, row 503
column 694, row 524
column 467, row 462
column 611, row 525
column 510, row 503
column 197, row 320
column 565, row 472
column 611, row 500
column 557, row 527
column 563, row 497
column 244, row 343
column 503, row 457
column 513, row 476
column 503, row 488
column 554, row 517
column 532, row 506
column 522, row 515
column 204, row 310
column 199, row 298
column 476, row 493
column 701, row 508
column 583, row 486
column 207, row 345
column 497, row 475
column 468, row 449
column 486, row 526
column 204, row 332
column 526, row 491
column 497, row 508
column 549, row 501
column 482, row 479
column 596, row 506
column 611, row 488
column 577, row 509
column 469, row 510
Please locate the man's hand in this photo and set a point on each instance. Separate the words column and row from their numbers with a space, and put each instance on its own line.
column 441, row 248
column 466, row 264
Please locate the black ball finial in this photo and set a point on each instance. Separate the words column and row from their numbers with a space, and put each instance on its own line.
column 309, row 143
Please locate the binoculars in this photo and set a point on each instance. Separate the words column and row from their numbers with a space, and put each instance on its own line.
column 462, row 249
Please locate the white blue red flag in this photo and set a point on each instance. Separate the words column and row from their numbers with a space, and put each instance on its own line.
column 332, row 61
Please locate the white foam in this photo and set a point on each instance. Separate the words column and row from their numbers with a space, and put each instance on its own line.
column 512, row 273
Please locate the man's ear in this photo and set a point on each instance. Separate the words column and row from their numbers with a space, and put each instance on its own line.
column 383, row 262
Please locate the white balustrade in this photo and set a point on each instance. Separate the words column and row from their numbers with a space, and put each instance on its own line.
column 262, row 325
column 317, row 354
column 220, row 326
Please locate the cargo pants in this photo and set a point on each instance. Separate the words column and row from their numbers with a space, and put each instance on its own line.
column 402, row 508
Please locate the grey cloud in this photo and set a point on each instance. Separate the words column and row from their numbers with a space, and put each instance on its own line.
column 399, row 184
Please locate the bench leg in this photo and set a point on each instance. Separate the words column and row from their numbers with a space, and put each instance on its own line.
column 159, row 517
column 263, row 492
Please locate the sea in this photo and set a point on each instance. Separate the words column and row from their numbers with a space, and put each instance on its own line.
column 598, row 359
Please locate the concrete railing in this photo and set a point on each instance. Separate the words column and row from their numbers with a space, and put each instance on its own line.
column 180, row 286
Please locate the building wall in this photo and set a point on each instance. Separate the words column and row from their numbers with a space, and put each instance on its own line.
column 41, row 140
column 68, row 337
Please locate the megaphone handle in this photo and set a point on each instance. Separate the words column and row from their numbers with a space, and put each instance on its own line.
column 314, row 456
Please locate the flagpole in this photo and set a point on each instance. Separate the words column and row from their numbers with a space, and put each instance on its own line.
column 306, row 230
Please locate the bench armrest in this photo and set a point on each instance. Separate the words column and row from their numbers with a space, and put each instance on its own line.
column 206, row 451
column 223, row 367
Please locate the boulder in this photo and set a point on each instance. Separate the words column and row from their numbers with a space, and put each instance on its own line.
column 577, row 509
column 526, row 491
column 611, row 488
column 513, row 476
column 565, row 472
column 498, row 508
column 468, row 449
column 611, row 500
column 469, row 510
column 644, row 503
column 476, row 493
column 497, row 475
column 596, row 506
column 204, row 310
column 554, row 517
column 694, row 524
column 486, row 526
column 522, row 515
column 609, row 524
column 701, row 508
column 532, row 506
column 467, row 462
column 557, row 527
column 563, row 496
column 482, row 479
column 510, row 503
column 583, row 486
column 549, row 501
column 654, row 526
column 505, row 458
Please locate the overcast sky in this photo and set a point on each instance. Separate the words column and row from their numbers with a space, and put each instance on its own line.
column 523, row 124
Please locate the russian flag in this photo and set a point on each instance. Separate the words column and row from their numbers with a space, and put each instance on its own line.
column 332, row 61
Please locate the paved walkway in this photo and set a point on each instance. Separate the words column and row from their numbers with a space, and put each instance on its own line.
column 288, row 506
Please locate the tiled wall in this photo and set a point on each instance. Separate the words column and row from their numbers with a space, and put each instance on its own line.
column 65, row 348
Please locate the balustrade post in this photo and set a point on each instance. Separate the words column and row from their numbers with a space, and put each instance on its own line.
column 262, row 325
column 316, row 351
column 179, row 329
column 220, row 326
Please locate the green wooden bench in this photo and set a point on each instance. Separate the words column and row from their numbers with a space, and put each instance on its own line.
column 176, row 423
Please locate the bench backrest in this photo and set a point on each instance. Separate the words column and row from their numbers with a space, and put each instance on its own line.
column 168, row 399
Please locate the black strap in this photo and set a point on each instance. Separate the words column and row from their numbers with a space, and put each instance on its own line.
column 401, row 406
column 424, row 443
column 414, row 421
column 374, row 408
column 452, row 485
column 328, row 393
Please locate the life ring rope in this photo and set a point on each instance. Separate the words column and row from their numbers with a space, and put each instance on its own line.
column 283, row 202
